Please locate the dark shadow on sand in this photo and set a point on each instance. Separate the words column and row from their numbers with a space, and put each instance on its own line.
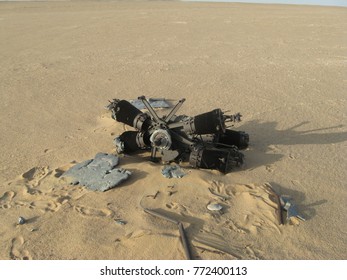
column 265, row 135
column 269, row 134
column 135, row 176
column 307, row 211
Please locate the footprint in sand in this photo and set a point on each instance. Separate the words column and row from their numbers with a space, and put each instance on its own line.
column 6, row 199
column 291, row 156
column 274, row 149
column 296, row 183
column 58, row 172
column 252, row 254
column 176, row 206
column 45, row 205
column 31, row 190
column 256, row 222
column 253, row 210
column 35, row 175
column 217, row 186
column 63, row 199
column 269, row 168
column 87, row 211
column 219, row 190
column 16, row 250
column 234, row 227
column 252, row 224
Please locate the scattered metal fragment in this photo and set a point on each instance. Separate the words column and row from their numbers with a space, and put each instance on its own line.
column 180, row 228
column 120, row 222
column 214, row 207
column 154, row 196
column 98, row 174
column 290, row 208
column 222, row 197
column 21, row 221
column 278, row 202
column 154, row 102
column 170, row 193
column 172, row 171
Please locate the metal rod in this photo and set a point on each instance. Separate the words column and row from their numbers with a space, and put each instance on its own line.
column 150, row 109
column 278, row 202
column 184, row 241
column 153, row 153
column 175, row 125
column 181, row 138
column 279, row 209
column 174, row 110
column 225, row 145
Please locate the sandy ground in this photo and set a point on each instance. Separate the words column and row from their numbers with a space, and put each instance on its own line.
column 282, row 67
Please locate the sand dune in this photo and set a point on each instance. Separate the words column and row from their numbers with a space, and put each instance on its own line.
column 282, row 67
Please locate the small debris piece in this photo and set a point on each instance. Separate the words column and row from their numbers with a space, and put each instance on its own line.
column 120, row 222
column 119, row 145
column 290, row 208
column 98, row 174
column 278, row 202
column 172, row 171
column 214, row 207
column 21, row 221
column 154, row 102
column 170, row 193
column 154, row 196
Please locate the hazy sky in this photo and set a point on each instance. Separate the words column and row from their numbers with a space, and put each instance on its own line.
column 306, row 2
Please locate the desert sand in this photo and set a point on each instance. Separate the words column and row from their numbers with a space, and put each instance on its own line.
column 283, row 67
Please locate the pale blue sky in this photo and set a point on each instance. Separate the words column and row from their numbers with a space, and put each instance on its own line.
column 306, row 2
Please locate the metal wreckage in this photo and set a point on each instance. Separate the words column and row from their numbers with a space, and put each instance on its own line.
column 203, row 140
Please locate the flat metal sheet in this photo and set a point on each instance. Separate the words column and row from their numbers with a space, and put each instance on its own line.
column 98, row 174
column 154, row 102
